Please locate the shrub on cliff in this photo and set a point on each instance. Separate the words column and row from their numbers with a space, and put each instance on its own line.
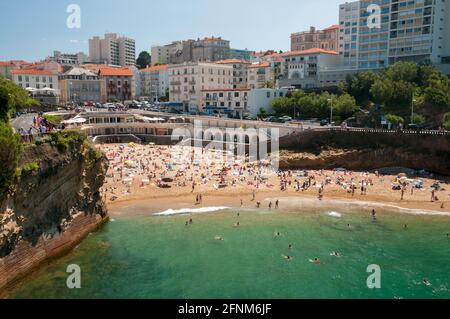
column 10, row 152
column 12, row 97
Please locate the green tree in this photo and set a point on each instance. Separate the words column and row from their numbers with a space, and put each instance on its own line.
column 10, row 152
column 12, row 98
column 346, row 106
column 418, row 119
column 394, row 119
column 144, row 59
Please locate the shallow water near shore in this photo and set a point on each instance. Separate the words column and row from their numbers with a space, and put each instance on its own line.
column 161, row 257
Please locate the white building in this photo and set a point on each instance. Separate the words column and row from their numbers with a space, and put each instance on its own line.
column 35, row 79
column 188, row 80
column 155, row 82
column 262, row 99
column 68, row 59
column 161, row 54
column 238, row 103
column 231, row 102
column 303, row 69
column 113, row 50
column 408, row 30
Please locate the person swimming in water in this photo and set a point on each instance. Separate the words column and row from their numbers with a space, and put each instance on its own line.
column 335, row 254
column 405, row 227
column 237, row 225
column 288, row 258
column 426, row 282
column 218, row 238
column 374, row 214
column 291, row 247
column 317, row 261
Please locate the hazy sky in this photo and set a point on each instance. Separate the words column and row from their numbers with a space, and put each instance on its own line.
column 32, row 29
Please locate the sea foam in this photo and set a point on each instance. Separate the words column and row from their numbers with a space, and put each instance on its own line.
column 186, row 211
column 334, row 214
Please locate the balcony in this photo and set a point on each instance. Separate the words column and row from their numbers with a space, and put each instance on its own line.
column 175, row 83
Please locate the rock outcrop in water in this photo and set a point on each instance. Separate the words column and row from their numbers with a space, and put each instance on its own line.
column 53, row 205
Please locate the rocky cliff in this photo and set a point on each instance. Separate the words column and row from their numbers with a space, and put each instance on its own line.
column 365, row 151
column 53, row 204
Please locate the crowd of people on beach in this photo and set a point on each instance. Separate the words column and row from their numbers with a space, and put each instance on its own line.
column 148, row 169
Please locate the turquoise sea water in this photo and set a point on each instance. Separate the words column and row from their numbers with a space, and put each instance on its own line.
column 160, row 257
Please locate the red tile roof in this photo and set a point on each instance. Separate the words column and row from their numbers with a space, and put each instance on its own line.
column 263, row 64
column 32, row 72
column 333, row 27
column 232, row 61
column 309, row 51
column 156, row 68
column 109, row 71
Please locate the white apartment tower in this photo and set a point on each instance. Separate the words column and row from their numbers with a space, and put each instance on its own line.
column 377, row 33
column 113, row 50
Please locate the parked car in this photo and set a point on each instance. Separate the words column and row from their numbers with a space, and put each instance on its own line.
column 324, row 123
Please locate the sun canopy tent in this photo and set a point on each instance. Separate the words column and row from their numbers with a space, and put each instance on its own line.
column 75, row 120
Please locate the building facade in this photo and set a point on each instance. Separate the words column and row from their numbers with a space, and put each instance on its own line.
column 301, row 69
column 327, row 39
column 259, row 75
column 229, row 102
column 261, row 99
column 155, row 82
column 408, row 30
column 117, row 84
column 80, row 85
column 240, row 72
column 68, row 59
column 35, row 79
column 112, row 49
column 165, row 53
column 188, row 80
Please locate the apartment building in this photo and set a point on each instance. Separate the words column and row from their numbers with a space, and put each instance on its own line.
column 327, row 39
column 117, row 84
column 188, row 80
column 69, row 59
column 230, row 102
column 407, row 30
column 165, row 53
column 80, row 85
column 155, row 82
column 34, row 78
column 240, row 54
column 41, row 84
column 240, row 72
column 301, row 69
column 112, row 49
column 259, row 75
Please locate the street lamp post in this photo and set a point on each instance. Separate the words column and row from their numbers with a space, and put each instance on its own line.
column 412, row 109
column 331, row 112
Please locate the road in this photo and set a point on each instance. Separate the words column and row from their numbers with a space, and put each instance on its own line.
column 25, row 121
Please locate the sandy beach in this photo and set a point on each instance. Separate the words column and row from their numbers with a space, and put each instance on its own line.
column 147, row 179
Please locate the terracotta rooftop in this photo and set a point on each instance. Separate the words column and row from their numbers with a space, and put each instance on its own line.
column 156, row 68
column 32, row 72
column 109, row 71
column 263, row 64
column 309, row 51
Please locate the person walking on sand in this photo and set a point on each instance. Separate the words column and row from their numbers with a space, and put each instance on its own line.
column 403, row 192
column 253, row 195
column 433, row 195
column 270, row 205
column 277, row 204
